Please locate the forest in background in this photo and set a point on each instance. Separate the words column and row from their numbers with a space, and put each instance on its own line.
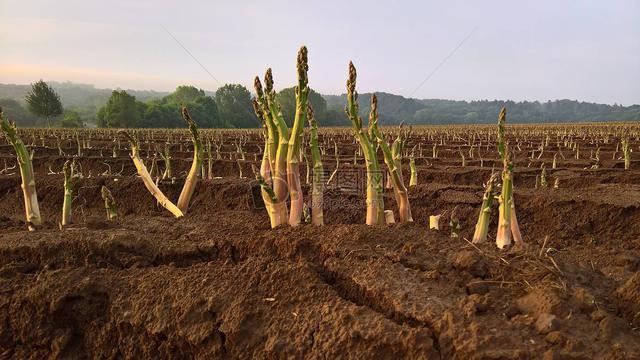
column 230, row 107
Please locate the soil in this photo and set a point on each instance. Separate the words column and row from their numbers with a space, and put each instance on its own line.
column 219, row 283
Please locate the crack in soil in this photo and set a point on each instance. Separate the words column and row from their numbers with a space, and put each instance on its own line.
column 223, row 339
column 354, row 293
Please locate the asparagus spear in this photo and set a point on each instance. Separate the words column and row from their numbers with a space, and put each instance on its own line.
column 375, row 202
column 32, row 210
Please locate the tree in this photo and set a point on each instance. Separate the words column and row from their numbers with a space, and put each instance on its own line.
column 43, row 101
column 157, row 116
column 234, row 104
column 287, row 99
column 121, row 111
column 14, row 111
column 184, row 94
column 204, row 111
column 72, row 119
column 165, row 113
column 203, row 108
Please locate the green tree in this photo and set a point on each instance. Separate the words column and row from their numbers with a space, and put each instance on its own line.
column 234, row 104
column 43, row 101
column 204, row 111
column 165, row 113
column 72, row 119
column 157, row 116
column 287, row 99
column 14, row 111
column 121, row 111
column 184, row 94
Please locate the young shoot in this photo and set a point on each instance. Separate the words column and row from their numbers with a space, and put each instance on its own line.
column 32, row 210
column 109, row 203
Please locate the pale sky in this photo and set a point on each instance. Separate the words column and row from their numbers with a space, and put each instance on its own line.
column 537, row 50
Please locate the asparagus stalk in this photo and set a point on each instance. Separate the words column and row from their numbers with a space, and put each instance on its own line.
column 146, row 178
column 295, row 140
column 265, row 186
column 317, row 214
column 276, row 208
column 627, row 152
column 308, row 167
column 209, row 161
column 32, row 210
column 515, row 228
column 454, row 223
column 375, row 202
column 278, row 171
column 508, row 222
column 109, row 203
column 154, row 166
column 396, row 149
column 434, row 222
column 269, row 197
column 402, row 197
column 264, row 176
column 69, row 175
column 168, row 172
column 413, row 179
column 503, row 238
column 192, row 178
column 388, row 217
column 203, row 171
column 335, row 171
column 306, row 213
column 482, row 226
column 543, row 177
column 271, row 144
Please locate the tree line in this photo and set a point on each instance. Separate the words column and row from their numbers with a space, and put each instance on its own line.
column 226, row 109
column 230, row 107
column 394, row 109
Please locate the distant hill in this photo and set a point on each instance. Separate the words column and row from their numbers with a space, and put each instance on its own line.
column 87, row 99
column 395, row 108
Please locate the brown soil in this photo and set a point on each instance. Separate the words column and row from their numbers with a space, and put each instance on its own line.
column 219, row 283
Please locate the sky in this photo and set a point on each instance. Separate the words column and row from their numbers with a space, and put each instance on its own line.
column 463, row 50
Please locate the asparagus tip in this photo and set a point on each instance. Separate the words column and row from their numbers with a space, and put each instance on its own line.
column 310, row 113
column 503, row 115
column 268, row 80
column 258, row 111
column 258, row 86
column 351, row 83
column 303, row 64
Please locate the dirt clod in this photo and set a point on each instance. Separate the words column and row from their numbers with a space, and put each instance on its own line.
column 547, row 323
column 542, row 301
column 629, row 297
column 470, row 261
column 555, row 337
